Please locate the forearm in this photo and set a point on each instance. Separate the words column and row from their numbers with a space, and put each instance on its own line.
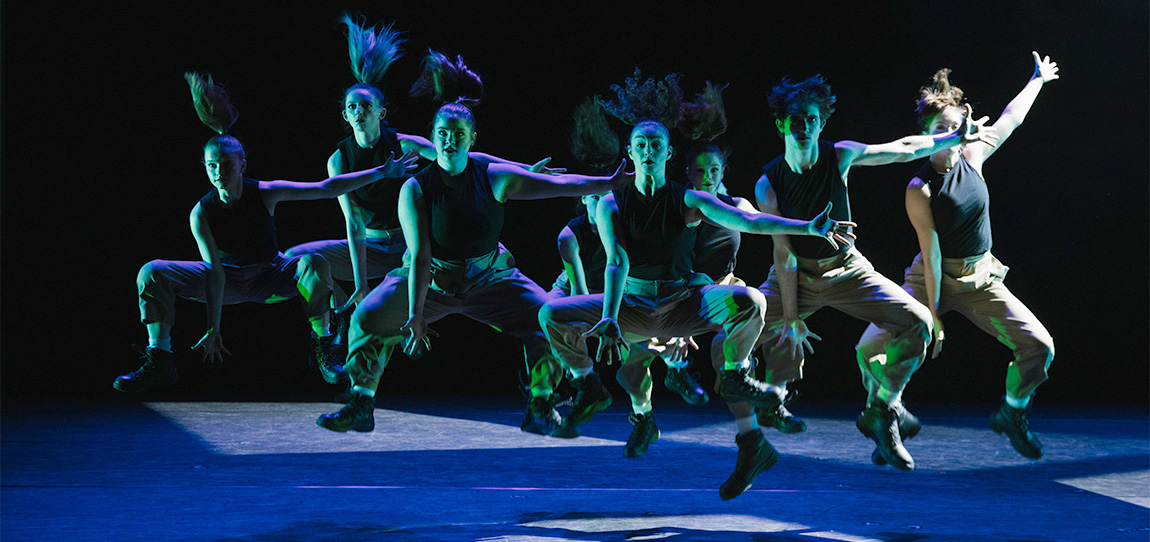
column 932, row 277
column 357, row 246
column 346, row 182
column 418, row 281
column 768, row 224
column 787, row 273
column 614, row 279
column 214, row 296
column 1017, row 109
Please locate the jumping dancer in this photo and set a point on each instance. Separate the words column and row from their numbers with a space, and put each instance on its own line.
column 452, row 215
column 949, row 207
column 648, row 231
column 807, row 276
column 234, row 227
column 374, row 244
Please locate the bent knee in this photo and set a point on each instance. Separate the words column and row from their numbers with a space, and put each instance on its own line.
column 148, row 272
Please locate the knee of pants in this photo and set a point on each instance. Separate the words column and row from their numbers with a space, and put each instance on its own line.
column 147, row 275
column 313, row 265
column 546, row 318
column 918, row 324
column 752, row 301
column 1037, row 345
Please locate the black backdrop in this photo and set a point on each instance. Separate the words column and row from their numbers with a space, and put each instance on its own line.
column 101, row 149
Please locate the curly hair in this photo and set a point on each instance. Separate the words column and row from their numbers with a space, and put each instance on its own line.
column 788, row 96
column 937, row 97
column 704, row 119
column 214, row 107
column 592, row 140
column 639, row 100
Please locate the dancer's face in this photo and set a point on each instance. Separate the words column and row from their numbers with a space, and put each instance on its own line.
column 225, row 170
column 947, row 121
column 591, row 201
column 706, row 172
column 650, row 149
column 362, row 111
column 802, row 126
column 453, row 138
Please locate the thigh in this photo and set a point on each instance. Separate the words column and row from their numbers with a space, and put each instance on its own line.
column 996, row 311
column 709, row 308
column 507, row 300
column 266, row 283
column 868, row 295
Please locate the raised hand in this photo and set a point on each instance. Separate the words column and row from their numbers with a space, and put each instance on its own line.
column 541, row 167
column 213, row 345
column 610, row 340
column 418, row 338
column 834, row 231
column 799, row 337
column 399, row 167
column 977, row 130
column 621, row 178
column 1044, row 69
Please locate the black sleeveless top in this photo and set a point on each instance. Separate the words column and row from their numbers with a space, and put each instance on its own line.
column 591, row 252
column 660, row 245
column 803, row 196
column 715, row 247
column 377, row 201
column 245, row 232
column 960, row 204
column 466, row 219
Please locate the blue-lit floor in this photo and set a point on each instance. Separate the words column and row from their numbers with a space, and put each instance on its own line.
column 442, row 471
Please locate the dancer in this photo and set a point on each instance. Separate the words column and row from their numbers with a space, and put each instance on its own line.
column 374, row 244
column 234, row 227
column 949, row 207
column 584, row 262
column 807, row 276
column 451, row 214
column 648, row 231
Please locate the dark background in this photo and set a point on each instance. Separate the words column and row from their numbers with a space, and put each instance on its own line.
column 101, row 152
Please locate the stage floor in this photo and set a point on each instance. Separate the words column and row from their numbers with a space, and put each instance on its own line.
column 130, row 468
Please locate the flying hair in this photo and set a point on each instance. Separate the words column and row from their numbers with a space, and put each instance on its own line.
column 788, row 96
column 371, row 49
column 937, row 97
column 704, row 119
column 639, row 100
column 212, row 103
column 592, row 140
column 447, row 81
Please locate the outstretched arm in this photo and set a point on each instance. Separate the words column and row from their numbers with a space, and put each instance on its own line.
column 1015, row 112
column 426, row 149
column 572, row 261
column 921, row 217
column 910, row 148
column 212, row 341
column 277, row 191
column 732, row 218
column 512, row 183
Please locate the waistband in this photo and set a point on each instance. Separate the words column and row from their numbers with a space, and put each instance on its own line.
column 385, row 236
